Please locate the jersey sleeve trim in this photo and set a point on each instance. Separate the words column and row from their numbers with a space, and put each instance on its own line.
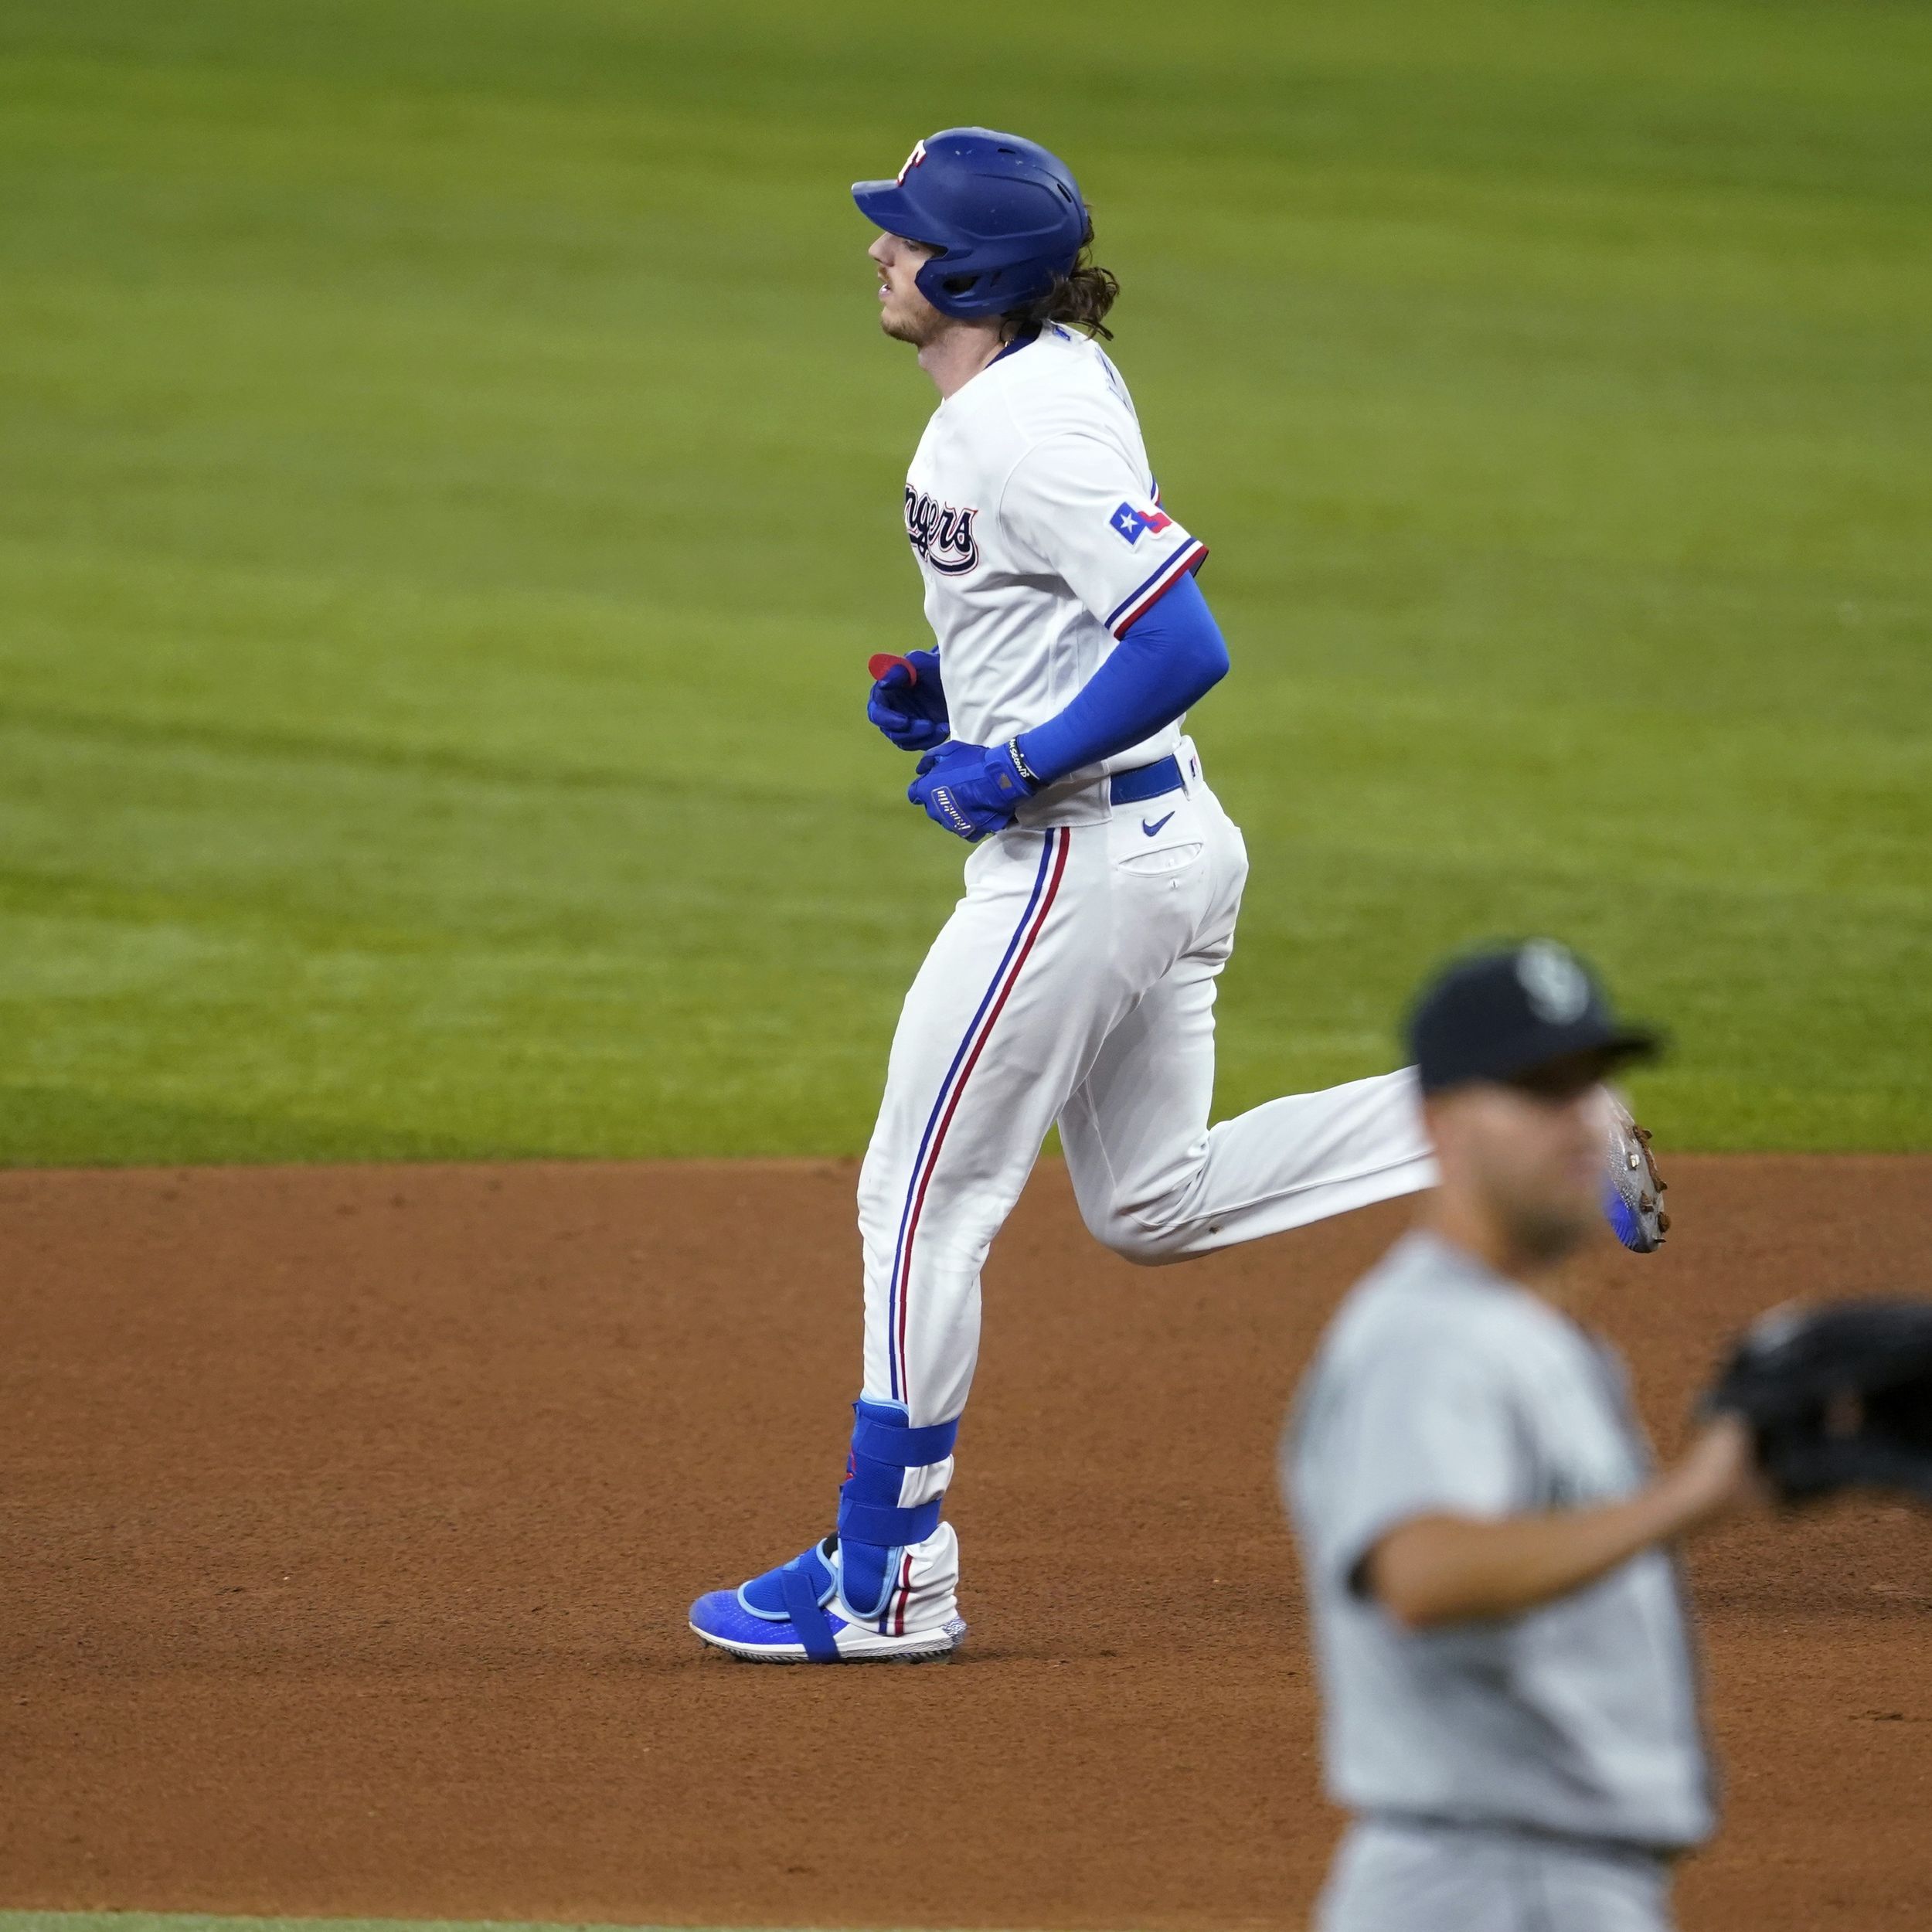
column 1137, row 603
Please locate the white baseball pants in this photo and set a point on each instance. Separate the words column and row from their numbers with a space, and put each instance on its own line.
column 1076, row 981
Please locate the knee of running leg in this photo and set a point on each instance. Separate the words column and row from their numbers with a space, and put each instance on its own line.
column 1145, row 1244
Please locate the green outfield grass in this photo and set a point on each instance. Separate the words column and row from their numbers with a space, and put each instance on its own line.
column 449, row 488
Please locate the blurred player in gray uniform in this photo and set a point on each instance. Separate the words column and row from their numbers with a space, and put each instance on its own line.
column 1510, row 1692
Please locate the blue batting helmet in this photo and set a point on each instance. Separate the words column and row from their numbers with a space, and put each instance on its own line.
column 1005, row 214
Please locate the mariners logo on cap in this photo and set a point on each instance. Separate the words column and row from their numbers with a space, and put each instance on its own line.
column 1559, row 988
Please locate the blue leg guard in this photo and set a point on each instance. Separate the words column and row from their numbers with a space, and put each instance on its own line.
column 872, row 1528
column 873, row 1532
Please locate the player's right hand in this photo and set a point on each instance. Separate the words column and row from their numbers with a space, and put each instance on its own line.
column 973, row 790
column 908, row 702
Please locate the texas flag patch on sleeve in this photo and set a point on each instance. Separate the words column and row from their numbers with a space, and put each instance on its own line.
column 1132, row 524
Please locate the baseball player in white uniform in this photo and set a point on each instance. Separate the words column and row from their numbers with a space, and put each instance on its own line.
column 1075, row 980
column 1509, row 1689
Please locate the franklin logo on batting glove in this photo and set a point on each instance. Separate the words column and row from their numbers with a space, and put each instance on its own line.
column 971, row 790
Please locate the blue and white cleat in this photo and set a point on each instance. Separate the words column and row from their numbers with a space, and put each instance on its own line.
column 884, row 1589
column 1633, row 1189
column 796, row 1614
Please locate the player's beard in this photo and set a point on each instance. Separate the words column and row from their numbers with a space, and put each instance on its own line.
column 911, row 319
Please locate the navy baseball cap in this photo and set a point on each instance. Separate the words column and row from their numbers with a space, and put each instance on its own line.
column 1501, row 1014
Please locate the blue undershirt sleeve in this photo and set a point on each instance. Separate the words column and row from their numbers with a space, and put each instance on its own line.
column 1166, row 660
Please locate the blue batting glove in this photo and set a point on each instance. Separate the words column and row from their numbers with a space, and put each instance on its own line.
column 971, row 790
column 908, row 701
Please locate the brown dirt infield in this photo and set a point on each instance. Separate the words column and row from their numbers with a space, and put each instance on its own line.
column 349, row 1516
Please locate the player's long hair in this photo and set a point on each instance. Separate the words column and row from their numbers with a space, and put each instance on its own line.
column 1080, row 298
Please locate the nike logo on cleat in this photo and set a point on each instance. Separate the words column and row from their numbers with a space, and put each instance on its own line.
column 1151, row 830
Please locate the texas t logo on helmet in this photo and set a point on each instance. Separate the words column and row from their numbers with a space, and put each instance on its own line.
column 911, row 162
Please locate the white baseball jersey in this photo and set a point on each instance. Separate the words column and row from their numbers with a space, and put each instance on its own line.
column 1038, row 528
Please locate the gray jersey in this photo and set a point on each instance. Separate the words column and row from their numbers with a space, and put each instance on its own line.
column 1442, row 1389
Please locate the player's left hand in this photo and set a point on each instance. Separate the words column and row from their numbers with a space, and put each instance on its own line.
column 971, row 790
column 908, row 701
